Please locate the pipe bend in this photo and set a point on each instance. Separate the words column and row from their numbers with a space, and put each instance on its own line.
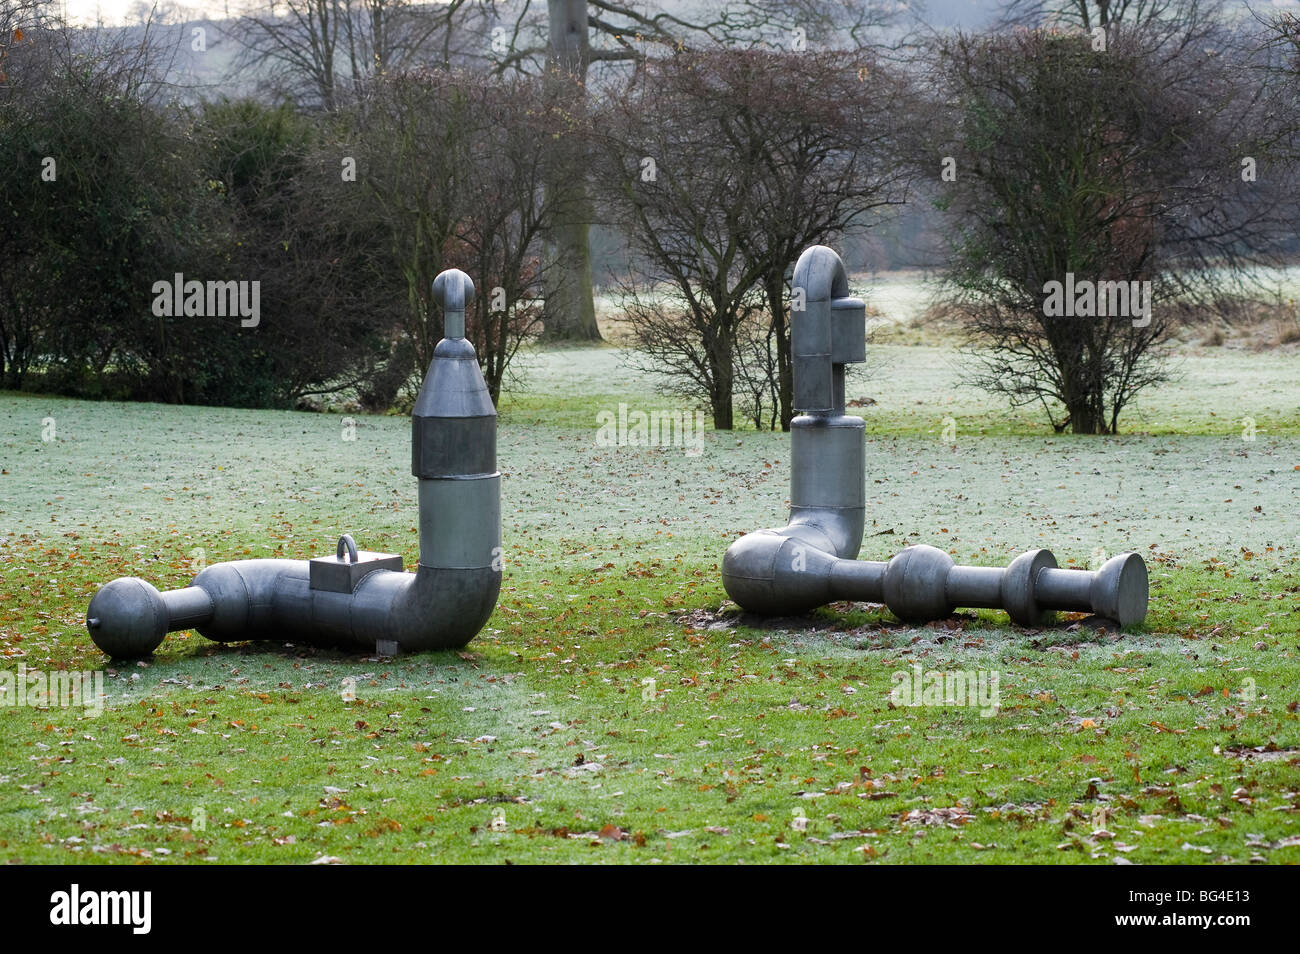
column 840, row 528
column 273, row 599
column 778, row 571
column 453, row 290
column 432, row 608
column 821, row 274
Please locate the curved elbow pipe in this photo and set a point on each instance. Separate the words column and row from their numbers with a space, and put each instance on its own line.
column 813, row 561
column 357, row 599
column 788, row 569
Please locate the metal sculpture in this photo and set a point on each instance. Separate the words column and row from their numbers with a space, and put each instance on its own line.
column 355, row 598
column 813, row 559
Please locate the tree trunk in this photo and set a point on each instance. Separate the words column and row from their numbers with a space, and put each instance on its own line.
column 723, row 374
column 1087, row 415
column 775, row 289
column 570, row 312
column 722, row 412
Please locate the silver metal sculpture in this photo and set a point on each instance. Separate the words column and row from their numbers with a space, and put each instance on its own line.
column 813, row 559
column 355, row 598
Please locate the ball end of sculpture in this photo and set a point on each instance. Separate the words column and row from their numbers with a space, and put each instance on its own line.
column 127, row 618
column 453, row 289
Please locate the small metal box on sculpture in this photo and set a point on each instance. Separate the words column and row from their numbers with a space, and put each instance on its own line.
column 355, row 598
column 813, row 559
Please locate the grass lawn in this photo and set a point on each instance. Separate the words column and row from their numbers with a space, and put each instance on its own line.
column 616, row 708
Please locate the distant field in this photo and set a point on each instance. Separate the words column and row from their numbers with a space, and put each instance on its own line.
column 616, row 708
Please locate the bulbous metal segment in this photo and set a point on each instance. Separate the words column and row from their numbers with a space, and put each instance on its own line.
column 243, row 595
column 774, row 572
column 748, row 569
column 916, row 584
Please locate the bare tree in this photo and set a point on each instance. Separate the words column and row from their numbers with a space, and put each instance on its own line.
column 1185, row 16
column 684, row 212
column 453, row 165
column 1107, row 171
column 721, row 166
column 508, row 207
column 575, row 35
column 321, row 50
column 18, row 18
column 822, row 131
column 1279, row 65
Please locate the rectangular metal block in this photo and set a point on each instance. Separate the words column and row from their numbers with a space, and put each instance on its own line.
column 848, row 331
column 341, row 575
column 810, row 332
column 813, row 383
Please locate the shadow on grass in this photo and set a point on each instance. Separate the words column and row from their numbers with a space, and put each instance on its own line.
column 270, row 648
column 879, row 629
